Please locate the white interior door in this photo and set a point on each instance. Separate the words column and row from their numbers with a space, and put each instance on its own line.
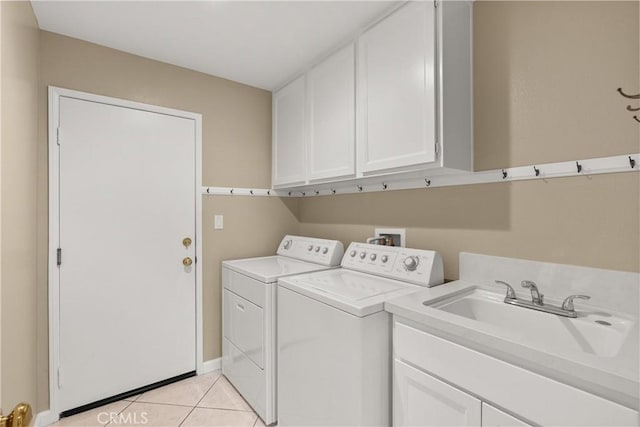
column 127, row 304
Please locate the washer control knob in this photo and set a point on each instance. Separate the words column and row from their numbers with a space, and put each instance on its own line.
column 325, row 250
column 352, row 253
column 410, row 263
column 363, row 254
column 384, row 258
column 317, row 248
column 309, row 248
column 287, row 244
column 372, row 257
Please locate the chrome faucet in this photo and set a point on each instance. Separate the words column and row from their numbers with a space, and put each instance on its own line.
column 537, row 300
column 536, row 296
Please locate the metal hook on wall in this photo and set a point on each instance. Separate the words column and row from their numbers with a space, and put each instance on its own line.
column 632, row 162
column 627, row 95
column 359, row 187
column 268, row 192
column 428, row 182
column 384, row 186
column 231, row 192
column 251, row 192
column 579, row 167
column 536, row 170
column 317, row 193
column 333, row 191
column 504, row 174
column 208, row 190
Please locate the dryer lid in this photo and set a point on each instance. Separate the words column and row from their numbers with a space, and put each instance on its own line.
column 269, row 269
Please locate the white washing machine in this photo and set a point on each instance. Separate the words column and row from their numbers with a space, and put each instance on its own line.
column 249, row 314
column 334, row 338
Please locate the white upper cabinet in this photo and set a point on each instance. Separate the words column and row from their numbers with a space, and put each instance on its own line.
column 394, row 103
column 397, row 90
column 289, row 151
column 331, row 123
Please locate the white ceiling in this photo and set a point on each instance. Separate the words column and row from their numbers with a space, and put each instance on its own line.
column 259, row 43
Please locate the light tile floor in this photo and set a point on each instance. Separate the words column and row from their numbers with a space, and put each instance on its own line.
column 201, row 401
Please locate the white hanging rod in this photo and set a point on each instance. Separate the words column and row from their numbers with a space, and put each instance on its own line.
column 595, row 166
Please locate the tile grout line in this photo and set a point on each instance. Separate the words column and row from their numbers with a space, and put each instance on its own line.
column 130, row 402
column 200, row 400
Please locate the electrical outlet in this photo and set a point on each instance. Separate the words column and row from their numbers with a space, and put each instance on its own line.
column 398, row 235
column 218, row 222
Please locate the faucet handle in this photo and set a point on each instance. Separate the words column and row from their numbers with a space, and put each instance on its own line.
column 567, row 304
column 511, row 294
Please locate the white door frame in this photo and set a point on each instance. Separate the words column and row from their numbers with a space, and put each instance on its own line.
column 54, row 226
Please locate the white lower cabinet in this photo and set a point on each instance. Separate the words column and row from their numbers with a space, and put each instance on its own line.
column 439, row 382
column 422, row 400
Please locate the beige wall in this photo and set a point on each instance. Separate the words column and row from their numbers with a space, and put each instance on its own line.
column 545, row 82
column 19, row 52
column 236, row 152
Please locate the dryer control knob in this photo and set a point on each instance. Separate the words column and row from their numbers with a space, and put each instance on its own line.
column 287, row 244
column 309, row 248
column 384, row 258
column 410, row 263
column 317, row 248
column 363, row 254
column 325, row 250
column 372, row 257
column 352, row 253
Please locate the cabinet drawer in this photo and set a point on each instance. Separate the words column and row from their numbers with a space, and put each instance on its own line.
column 422, row 400
column 244, row 326
column 532, row 396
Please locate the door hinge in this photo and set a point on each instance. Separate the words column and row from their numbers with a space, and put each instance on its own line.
column 58, row 136
column 59, row 256
column 59, row 378
column 195, row 259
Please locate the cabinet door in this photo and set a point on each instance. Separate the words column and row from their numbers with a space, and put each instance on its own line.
column 397, row 90
column 493, row 417
column 421, row 400
column 289, row 134
column 331, row 101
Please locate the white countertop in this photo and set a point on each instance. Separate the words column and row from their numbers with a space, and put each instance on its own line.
column 614, row 378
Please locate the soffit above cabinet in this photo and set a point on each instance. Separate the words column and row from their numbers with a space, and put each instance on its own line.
column 259, row 43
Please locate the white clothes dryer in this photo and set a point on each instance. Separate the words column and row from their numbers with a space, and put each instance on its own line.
column 249, row 314
column 334, row 337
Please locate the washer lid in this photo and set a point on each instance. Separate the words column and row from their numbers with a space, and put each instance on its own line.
column 357, row 293
column 269, row 269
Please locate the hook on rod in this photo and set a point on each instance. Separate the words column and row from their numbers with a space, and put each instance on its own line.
column 632, row 162
column 359, row 187
column 317, row 193
column 251, row 192
column 536, row 170
column 333, row 191
column 627, row 95
column 208, row 190
column 384, row 186
column 504, row 174
column 579, row 167
column 428, row 182
column 231, row 192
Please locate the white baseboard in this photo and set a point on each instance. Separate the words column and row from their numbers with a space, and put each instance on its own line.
column 211, row 365
column 44, row 418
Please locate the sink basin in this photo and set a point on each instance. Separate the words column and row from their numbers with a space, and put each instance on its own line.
column 597, row 333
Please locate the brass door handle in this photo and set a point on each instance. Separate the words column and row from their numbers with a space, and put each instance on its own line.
column 187, row 262
column 186, row 242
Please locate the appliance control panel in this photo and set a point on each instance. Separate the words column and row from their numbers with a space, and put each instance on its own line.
column 320, row 251
column 417, row 266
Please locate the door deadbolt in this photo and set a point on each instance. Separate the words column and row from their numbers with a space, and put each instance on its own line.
column 186, row 242
column 187, row 262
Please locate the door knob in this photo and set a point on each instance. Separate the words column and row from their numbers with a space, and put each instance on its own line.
column 187, row 262
column 186, row 242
